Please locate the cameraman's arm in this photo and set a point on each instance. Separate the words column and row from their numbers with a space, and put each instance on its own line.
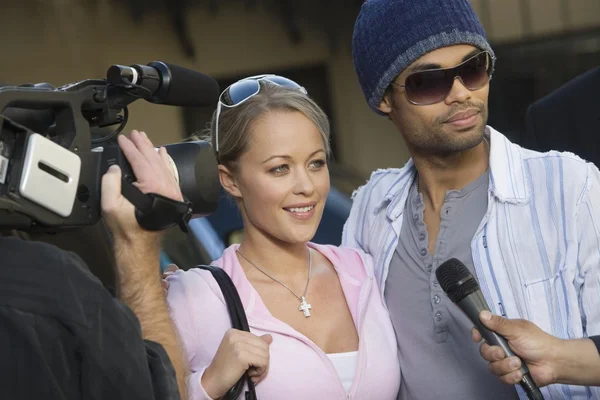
column 139, row 286
column 137, row 250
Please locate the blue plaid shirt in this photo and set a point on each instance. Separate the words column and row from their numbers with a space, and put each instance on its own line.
column 537, row 249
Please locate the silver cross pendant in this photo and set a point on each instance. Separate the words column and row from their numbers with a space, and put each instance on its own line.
column 304, row 307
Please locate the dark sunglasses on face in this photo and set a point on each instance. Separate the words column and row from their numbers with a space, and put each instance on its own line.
column 433, row 85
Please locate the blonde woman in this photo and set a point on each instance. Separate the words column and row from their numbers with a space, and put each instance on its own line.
column 319, row 327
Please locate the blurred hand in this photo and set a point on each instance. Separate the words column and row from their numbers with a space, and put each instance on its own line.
column 534, row 346
column 154, row 174
column 238, row 352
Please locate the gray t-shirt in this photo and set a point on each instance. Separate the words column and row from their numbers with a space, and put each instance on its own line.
column 438, row 358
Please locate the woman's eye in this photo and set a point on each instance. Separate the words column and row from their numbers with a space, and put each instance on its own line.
column 318, row 163
column 279, row 169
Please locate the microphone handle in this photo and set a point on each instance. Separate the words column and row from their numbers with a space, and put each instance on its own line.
column 472, row 305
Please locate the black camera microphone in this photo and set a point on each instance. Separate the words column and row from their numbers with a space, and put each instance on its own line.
column 167, row 83
column 462, row 288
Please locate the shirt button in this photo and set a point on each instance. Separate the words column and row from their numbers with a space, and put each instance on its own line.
column 423, row 252
column 429, row 267
column 436, row 299
column 416, row 217
column 438, row 316
column 421, row 236
column 435, row 283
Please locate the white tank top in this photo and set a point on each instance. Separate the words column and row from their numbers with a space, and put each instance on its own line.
column 345, row 365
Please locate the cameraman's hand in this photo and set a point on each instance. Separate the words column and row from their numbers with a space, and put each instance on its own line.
column 239, row 351
column 154, row 175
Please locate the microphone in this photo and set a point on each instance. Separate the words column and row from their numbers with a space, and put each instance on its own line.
column 462, row 288
column 168, row 84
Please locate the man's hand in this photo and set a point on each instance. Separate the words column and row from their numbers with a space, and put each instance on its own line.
column 154, row 175
column 535, row 347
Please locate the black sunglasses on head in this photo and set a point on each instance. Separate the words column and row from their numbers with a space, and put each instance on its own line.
column 433, row 85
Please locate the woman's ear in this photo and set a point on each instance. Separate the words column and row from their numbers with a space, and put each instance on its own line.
column 229, row 182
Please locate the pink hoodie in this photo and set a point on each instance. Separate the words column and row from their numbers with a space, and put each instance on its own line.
column 298, row 368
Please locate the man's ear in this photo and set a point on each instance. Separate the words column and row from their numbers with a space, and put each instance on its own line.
column 228, row 181
column 386, row 104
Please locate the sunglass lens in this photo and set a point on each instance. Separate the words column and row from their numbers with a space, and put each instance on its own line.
column 428, row 87
column 240, row 91
column 475, row 73
column 281, row 81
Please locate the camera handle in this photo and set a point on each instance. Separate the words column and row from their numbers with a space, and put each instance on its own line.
column 155, row 212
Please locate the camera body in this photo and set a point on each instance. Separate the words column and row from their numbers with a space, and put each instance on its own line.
column 51, row 167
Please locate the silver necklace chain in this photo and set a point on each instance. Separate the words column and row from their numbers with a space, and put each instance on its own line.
column 487, row 143
column 301, row 298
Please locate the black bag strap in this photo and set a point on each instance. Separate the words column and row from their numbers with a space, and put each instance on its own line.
column 237, row 315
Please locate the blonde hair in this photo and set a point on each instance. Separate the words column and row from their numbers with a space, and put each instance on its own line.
column 235, row 123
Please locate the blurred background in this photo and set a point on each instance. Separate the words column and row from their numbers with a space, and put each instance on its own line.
column 540, row 45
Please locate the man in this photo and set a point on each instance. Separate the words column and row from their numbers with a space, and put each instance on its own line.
column 568, row 119
column 524, row 223
column 63, row 335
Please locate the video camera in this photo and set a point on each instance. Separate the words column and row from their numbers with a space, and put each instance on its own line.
column 51, row 165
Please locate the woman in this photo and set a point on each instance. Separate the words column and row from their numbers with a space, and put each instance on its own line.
column 319, row 327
